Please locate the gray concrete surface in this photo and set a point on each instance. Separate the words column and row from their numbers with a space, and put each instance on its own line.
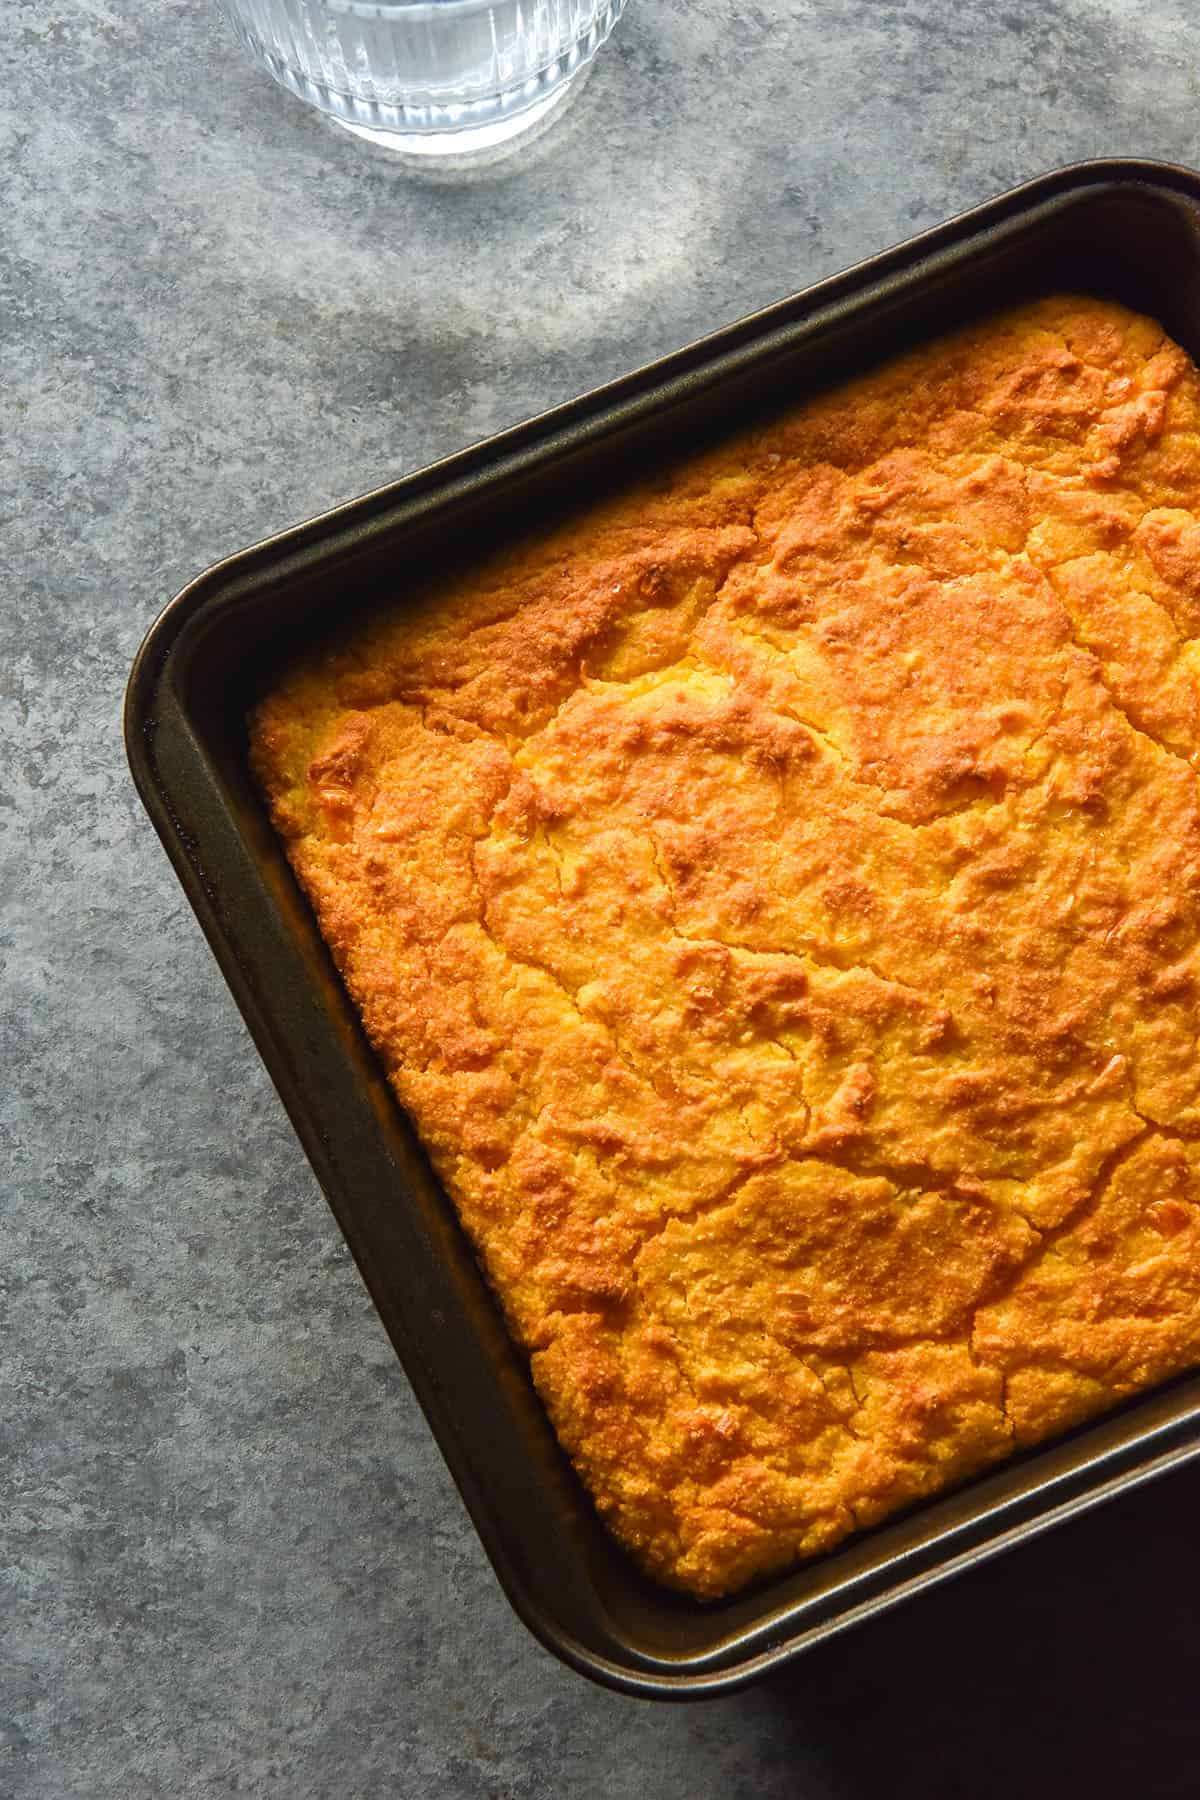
column 232, row 1561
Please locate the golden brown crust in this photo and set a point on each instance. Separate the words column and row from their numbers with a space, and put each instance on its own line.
column 774, row 894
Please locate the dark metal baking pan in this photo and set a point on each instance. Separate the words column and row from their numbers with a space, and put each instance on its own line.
column 1126, row 229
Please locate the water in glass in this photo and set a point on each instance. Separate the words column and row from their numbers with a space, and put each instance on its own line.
column 427, row 76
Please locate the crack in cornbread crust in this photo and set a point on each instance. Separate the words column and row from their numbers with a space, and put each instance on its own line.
column 774, row 895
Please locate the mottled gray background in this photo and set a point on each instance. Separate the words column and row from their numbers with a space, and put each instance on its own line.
column 235, row 1564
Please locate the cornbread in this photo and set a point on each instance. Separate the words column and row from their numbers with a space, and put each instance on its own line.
column 774, row 893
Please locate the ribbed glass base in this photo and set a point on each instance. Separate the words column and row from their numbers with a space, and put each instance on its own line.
column 425, row 80
column 468, row 140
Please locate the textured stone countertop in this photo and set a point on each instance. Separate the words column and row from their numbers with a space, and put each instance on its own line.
column 231, row 1560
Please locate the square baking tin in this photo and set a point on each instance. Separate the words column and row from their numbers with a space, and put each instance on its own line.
column 1129, row 230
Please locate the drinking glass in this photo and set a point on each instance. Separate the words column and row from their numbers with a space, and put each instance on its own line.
column 427, row 77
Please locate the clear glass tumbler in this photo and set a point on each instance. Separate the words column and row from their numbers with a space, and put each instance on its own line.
column 427, row 77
